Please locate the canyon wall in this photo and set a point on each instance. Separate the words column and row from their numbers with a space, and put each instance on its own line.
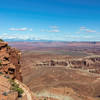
column 10, row 61
column 10, row 69
column 90, row 63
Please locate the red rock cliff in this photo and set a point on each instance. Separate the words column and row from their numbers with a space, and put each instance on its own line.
column 10, row 61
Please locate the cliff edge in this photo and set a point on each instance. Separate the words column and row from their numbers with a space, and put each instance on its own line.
column 11, row 86
column 10, row 61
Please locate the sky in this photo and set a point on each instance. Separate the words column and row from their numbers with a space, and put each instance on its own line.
column 58, row 20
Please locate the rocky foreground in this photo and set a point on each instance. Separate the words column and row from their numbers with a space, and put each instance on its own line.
column 11, row 86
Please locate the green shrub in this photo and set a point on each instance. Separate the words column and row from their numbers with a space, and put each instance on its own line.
column 6, row 77
column 1, row 40
column 15, row 87
column 1, row 73
column 11, row 81
column 0, row 63
column 20, row 91
column 5, row 93
column 8, row 47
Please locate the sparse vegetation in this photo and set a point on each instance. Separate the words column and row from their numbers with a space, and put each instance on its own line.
column 5, row 93
column 1, row 40
column 0, row 63
column 8, row 47
column 6, row 77
column 15, row 87
column 1, row 73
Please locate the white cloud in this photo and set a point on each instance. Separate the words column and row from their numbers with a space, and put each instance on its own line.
column 17, row 36
column 54, row 31
column 7, row 36
column 80, row 37
column 87, row 30
column 83, row 28
column 90, row 31
column 54, row 27
column 88, row 37
column 20, row 29
column 51, row 31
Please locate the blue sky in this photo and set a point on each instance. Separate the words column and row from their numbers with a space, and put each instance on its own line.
column 64, row 20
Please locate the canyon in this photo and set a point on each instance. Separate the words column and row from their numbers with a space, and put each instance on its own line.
column 50, row 72
column 61, row 73
column 59, row 77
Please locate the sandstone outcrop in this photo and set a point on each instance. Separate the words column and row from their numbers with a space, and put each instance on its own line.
column 10, row 61
column 10, row 69
column 90, row 63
